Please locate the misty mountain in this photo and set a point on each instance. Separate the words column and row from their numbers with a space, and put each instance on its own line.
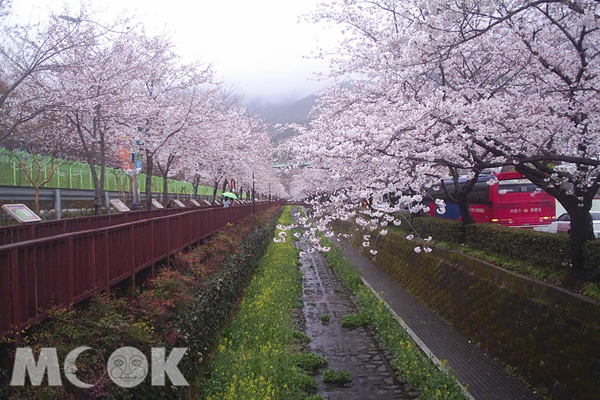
column 284, row 113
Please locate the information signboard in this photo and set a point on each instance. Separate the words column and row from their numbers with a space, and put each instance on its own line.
column 21, row 212
column 156, row 204
column 178, row 203
column 119, row 205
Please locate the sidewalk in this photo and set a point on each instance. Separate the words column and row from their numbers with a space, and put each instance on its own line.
column 484, row 379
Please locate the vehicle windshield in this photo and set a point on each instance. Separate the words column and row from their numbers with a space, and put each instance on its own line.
column 516, row 186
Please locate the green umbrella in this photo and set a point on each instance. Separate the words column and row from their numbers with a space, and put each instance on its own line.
column 229, row 194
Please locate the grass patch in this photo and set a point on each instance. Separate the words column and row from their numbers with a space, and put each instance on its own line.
column 412, row 364
column 254, row 360
column 325, row 317
column 355, row 320
column 301, row 336
column 340, row 377
column 591, row 290
column 308, row 361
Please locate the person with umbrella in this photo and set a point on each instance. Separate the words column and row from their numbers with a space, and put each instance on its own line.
column 228, row 199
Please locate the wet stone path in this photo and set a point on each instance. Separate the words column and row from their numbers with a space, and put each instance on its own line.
column 356, row 350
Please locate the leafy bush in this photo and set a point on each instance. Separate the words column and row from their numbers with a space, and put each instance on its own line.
column 308, row 361
column 543, row 249
column 325, row 317
column 216, row 297
column 591, row 250
column 540, row 248
column 301, row 336
column 444, row 229
column 338, row 377
column 355, row 320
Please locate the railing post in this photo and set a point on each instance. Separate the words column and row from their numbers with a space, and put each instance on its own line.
column 131, row 285
column 107, row 261
column 153, row 249
column 168, row 234
column 70, row 277
column 15, row 290
column 57, row 204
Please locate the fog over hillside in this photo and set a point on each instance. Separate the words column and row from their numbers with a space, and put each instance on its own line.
column 283, row 113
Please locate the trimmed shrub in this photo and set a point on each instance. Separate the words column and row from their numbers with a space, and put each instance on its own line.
column 539, row 248
column 447, row 230
column 591, row 250
column 543, row 249
column 200, row 325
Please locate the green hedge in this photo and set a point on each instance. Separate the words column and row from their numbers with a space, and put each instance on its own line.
column 539, row 248
column 591, row 249
column 447, row 230
column 543, row 249
column 214, row 302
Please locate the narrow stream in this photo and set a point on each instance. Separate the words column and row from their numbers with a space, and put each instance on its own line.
column 356, row 350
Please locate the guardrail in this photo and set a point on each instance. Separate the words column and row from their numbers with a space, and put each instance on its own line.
column 64, row 269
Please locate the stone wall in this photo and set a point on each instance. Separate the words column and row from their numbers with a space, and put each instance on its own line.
column 548, row 335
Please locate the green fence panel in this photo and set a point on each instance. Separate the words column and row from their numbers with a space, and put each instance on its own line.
column 77, row 175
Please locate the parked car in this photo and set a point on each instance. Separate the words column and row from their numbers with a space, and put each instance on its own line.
column 562, row 224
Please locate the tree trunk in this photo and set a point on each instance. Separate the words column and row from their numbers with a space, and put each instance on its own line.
column 36, row 189
column 195, row 185
column 224, row 188
column 581, row 230
column 215, row 188
column 165, row 188
column 148, row 181
column 578, row 205
column 465, row 211
column 97, row 188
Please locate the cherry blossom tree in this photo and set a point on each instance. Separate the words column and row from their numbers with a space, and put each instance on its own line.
column 29, row 54
column 96, row 92
column 454, row 87
column 39, row 159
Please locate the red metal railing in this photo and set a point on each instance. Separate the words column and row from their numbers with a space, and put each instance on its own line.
column 18, row 233
column 64, row 269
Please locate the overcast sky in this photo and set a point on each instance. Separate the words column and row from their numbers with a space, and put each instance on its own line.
column 257, row 45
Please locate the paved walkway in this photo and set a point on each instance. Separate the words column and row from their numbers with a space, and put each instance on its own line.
column 484, row 379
